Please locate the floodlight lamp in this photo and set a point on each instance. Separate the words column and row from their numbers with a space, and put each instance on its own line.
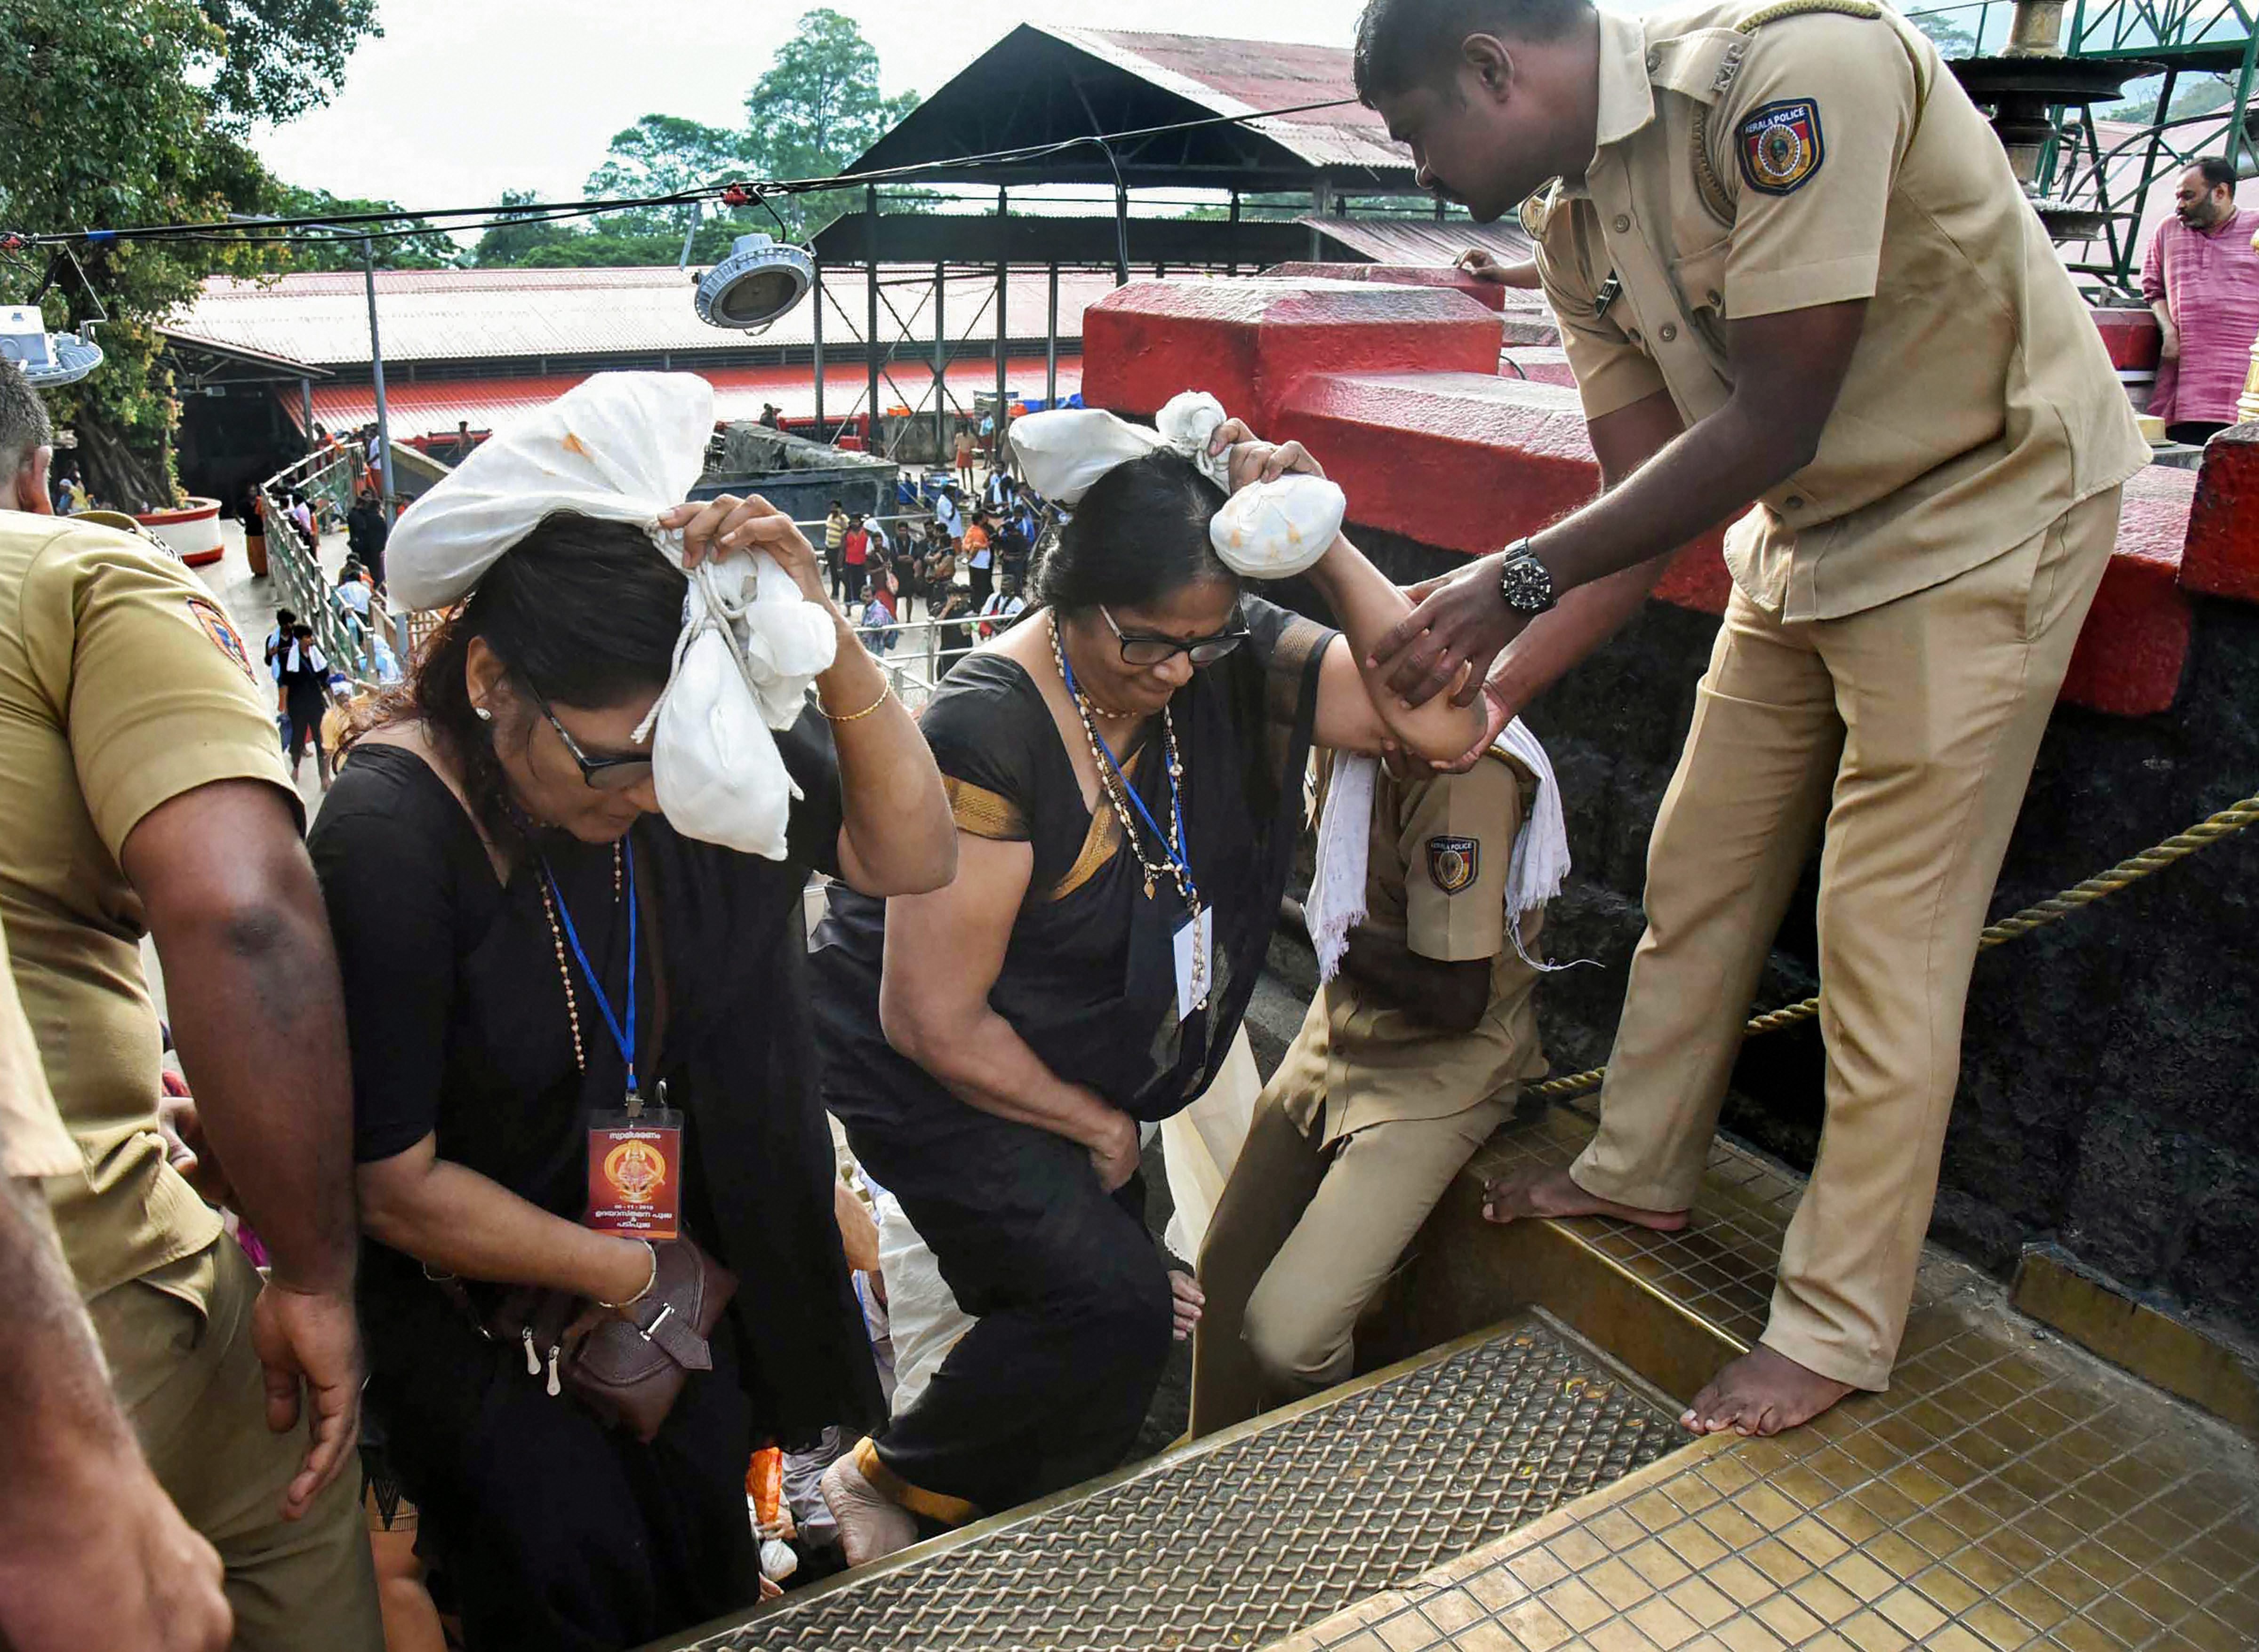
column 759, row 281
column 49, row 359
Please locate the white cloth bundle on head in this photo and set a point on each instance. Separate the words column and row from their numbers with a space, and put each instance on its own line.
column 1535, row 874
column 627, row 447
column 1268, row 531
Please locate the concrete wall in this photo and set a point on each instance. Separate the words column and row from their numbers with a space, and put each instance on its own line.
column 2106, row 1100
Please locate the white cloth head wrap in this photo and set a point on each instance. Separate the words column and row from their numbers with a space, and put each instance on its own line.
column 1337, row 899
column 1268, row 531
column 626, row 447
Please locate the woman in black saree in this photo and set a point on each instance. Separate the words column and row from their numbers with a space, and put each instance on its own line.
column 1125, row 769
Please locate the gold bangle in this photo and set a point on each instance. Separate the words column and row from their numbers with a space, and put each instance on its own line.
column 885, row 689
column 647, row 1284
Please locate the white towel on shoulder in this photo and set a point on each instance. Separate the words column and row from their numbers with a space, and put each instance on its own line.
column 1534, row 876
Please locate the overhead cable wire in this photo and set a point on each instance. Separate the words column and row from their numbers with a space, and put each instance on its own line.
column 754, row 191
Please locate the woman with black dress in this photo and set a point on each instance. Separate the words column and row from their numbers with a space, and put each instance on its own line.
column 305, row 679
column 524, row 941
column 1125, row 767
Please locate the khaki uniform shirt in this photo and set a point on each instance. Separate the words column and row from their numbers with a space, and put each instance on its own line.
column 121, row 686
column 1435, row 881
column 32, row 1139
column 1747, row 167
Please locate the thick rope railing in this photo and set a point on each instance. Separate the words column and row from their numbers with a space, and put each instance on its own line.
column 2054, row 909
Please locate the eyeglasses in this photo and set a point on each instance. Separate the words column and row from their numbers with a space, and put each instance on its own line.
column 1143, row 648
column 606, row 774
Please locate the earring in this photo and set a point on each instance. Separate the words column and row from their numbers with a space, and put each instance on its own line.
column 483, row 714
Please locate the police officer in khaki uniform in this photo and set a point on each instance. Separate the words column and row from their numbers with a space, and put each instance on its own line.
column 1407, row 1060
column 144, row 795
column 1797, row 285
column 92, row 1552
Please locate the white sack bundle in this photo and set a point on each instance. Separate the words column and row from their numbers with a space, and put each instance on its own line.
column 628, row 447
column 1269, row 530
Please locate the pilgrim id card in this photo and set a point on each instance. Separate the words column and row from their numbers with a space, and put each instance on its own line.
column 635, row 1173
column 1193, row 955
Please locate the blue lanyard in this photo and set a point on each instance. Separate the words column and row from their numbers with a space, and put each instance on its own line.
column 1176, row 800
column 625, row 1040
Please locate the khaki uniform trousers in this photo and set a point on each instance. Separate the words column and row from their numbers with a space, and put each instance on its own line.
column 192, row 1384
column 1303, row 1239
column 1909, row 731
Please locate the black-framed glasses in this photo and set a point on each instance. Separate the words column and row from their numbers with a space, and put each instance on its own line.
column 605, row 774
column 1144, row 648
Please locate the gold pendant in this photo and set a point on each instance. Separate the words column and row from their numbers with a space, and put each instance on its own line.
column 1149, row 885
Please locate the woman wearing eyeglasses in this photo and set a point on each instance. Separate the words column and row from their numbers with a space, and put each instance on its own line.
column 1125, row 769
column 524, row 941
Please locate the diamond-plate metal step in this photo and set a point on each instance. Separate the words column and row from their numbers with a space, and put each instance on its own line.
column 1255, row 1532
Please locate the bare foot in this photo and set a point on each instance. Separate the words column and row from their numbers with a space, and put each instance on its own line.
column 1185, row 1301
column 1761, row 1394
column 1535, row 1193
column 871, row 1525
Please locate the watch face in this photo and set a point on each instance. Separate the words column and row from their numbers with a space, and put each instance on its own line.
column 1525, row 585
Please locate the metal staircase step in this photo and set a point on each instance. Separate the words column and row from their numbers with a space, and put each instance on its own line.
column 1256, row 1532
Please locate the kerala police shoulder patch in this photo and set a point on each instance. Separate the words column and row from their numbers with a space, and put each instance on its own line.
column 1451, row 862
column 214, row 625
column 1780, row 145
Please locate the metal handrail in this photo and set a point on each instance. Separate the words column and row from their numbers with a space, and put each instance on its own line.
column 344, row 637
column 916, row 671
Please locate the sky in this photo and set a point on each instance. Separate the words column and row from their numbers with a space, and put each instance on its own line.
column 462, row 99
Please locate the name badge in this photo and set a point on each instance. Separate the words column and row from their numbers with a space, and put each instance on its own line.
column 635, row 1173
column 1193, row 937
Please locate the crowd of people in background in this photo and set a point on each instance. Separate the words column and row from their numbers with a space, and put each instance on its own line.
column 963, row 560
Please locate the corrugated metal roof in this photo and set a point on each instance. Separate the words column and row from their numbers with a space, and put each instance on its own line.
column 1238, row 77
column 514, row 313
column 435, row 407
column 1420, row 242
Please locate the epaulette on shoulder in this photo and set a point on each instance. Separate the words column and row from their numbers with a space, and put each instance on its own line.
column 1784, row 8
column 1538, row 207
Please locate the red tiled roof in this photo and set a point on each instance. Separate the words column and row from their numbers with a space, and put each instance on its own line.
column 1234, row 77
column 434, row 407
column 504, row 314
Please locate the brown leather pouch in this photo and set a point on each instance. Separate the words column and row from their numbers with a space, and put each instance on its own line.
column 630, row 1368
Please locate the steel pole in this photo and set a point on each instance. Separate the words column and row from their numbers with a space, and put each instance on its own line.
column 376, row 372
column 816, row 292
column 871, row 291
column 1050, row 345
column 1003, row 293
column 940, row 366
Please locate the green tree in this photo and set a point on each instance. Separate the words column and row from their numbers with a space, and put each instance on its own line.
column 815, row 109
column 134, row 112
column 2197, row 94
column 424, row 249
column 1950, row 39
column 812, row 112
column 515, row 238
column 665, row 154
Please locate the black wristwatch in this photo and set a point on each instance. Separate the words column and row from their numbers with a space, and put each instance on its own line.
column 1523, row 582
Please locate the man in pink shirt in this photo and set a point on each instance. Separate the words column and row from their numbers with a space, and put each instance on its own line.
column 2202, row 279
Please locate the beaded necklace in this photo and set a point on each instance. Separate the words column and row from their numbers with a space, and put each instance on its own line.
column 1173, row 864
column 564, row 970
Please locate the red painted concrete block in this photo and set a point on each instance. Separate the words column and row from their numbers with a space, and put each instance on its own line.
column 2222, row 559
column 2131, row 336
column 1489, row 295
column 1397, row 390
column 1465, row 461
column 1250, row 342
column 2135, row 642
column 1538, row 363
